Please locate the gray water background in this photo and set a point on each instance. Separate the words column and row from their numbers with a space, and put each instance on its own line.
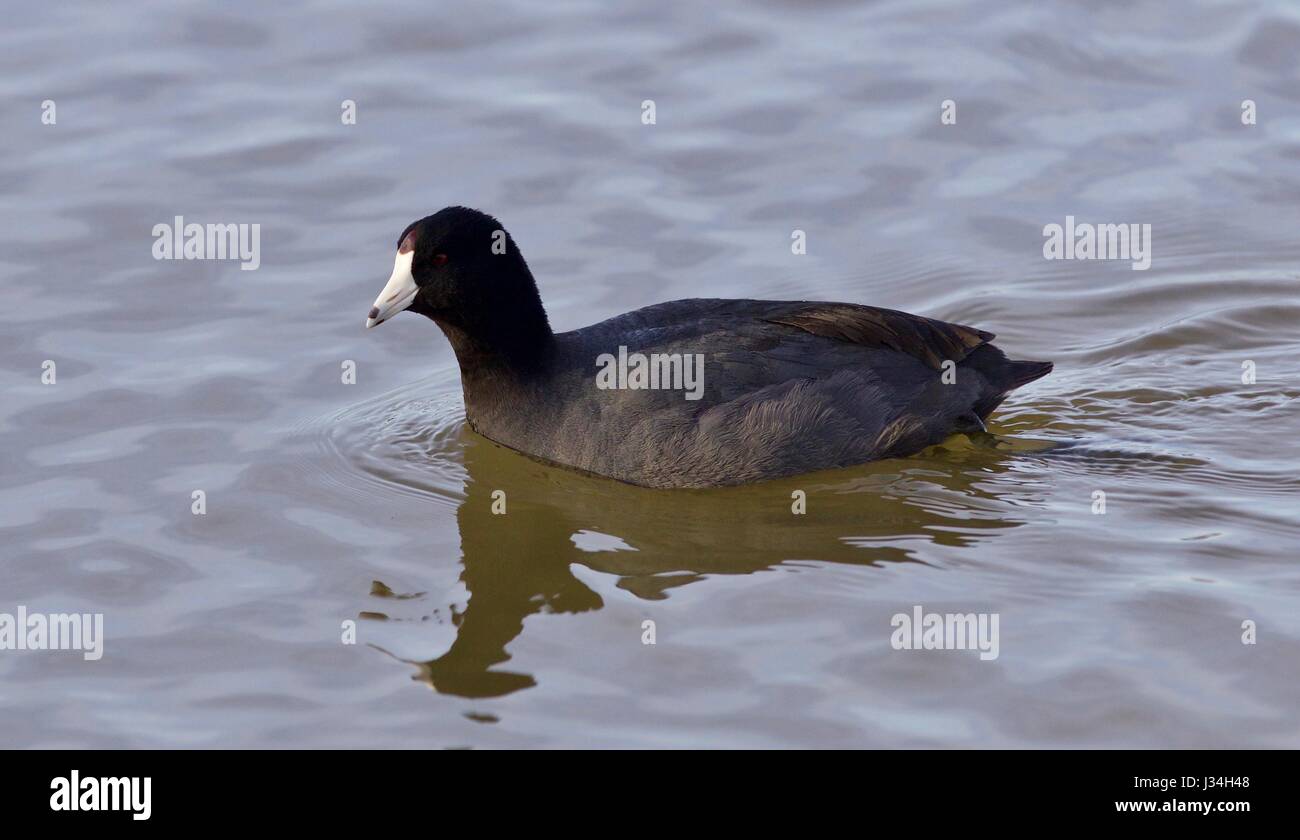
column 526, row 629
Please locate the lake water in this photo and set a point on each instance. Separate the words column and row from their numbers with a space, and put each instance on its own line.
column 329, row 503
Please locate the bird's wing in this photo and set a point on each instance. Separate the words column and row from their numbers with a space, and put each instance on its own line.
column 926, row 339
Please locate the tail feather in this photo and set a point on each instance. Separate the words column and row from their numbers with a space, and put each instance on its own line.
column 1022, row 373
column 1003, row 376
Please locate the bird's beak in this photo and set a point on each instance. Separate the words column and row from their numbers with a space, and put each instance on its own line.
column 398, row 293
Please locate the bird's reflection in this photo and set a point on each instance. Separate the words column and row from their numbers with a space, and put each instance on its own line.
column 517, row 564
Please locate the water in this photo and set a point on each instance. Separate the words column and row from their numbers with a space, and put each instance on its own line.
column 371, row 502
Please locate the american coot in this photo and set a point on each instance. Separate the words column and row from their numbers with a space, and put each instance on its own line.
column 787, row 387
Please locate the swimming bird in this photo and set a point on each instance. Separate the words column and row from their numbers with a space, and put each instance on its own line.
column 744, row 390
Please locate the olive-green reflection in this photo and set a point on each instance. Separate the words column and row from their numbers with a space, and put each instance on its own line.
column 517, row 564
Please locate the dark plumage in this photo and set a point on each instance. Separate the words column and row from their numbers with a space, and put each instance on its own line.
column 788, row 386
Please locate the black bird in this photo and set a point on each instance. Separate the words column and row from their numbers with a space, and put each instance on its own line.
column 787, row 387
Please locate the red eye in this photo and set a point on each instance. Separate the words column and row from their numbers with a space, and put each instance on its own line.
column 439, row 259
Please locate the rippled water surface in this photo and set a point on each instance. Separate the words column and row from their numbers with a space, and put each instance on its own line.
column 372, row 502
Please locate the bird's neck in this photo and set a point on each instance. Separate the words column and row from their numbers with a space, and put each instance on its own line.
column 501, row 352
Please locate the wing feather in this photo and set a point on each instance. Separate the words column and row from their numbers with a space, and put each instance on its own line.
column 927, row 339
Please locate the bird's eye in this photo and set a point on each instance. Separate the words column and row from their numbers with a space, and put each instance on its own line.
column 439, row 259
